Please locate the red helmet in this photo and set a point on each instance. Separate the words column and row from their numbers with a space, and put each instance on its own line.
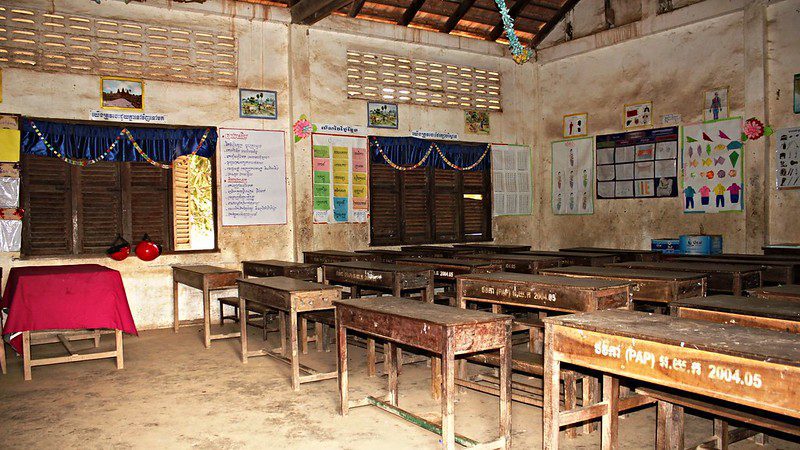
column 120, row 249
column 147, row 250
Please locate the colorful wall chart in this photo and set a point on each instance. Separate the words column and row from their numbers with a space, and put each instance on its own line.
column 787, row 152
column 253, row 177
column 341, row 167
column 713, row 160
column 638, row 164
column 511, row 179
column 573, row 176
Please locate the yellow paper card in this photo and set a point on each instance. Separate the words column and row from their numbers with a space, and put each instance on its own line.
column 359, row 178
column 9, row 145
column 340, row 190
column 359, row 191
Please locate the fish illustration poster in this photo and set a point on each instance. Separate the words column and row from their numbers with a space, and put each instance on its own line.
column 712, row 160
column 573, row 176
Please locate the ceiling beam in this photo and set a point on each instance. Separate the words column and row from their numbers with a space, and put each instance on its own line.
column 453, row 20
column 549, row 6
column 355, row 8
column 308, row 12
column 514, row 11
column 412, row 11
column 548, row 27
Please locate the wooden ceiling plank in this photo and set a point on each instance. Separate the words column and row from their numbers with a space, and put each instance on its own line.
column 355, row 8
column 514, row 11
column 309, row 12
column 548, row 27
column 453, row 20
column 409, row 14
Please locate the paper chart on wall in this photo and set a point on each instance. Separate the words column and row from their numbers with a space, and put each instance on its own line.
column 511, row 179
column 253, row 177
column 638, row 164
column 340, row 167
column 787, row 152
column 573, row 176
column 712, row 158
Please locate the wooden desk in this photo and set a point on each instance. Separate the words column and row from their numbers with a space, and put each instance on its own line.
column 287, row 296
column 445, row 270
column 493, row 248
column 772, row 272
column 787, row 292
column 515, row 262
column 329, row 256
column 623, row 253
column 782, row 249
column 435, row 251
column 651, row 286
column 771, row 313
column 722, row 278
column 276, row 268
column 444, row 331
column 384, row 255
column 738, row 365
column 207, row 279
column 578, row 258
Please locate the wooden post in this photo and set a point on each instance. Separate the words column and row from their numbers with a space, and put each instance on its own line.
column 341, row 348
column 448, row 395
column 550, row 404
column 243, row 329
column 175, row 319
column 118, row 339
column 505, row 389
column 392, row 357
column 207, row 315
column 295, row 357
column 669, row 428
column 26, row 355
column 610, row 420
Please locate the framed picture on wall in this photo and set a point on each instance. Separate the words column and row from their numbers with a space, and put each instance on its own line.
column 122, row 93
column 258, row 104
column 382, row 115
column 797, row 93
column 574, row 125
column 637, row 115
column 715, row 104
column 476, row 122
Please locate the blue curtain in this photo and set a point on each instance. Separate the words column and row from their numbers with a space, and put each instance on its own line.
column 406, row 151
column 79, row 141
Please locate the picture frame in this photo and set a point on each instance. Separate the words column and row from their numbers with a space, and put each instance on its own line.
column 258, row 104
column 575, row 125
column 477, row 122
column 637, row 115
column 382, row 115
column 797, row 93
column 715, row 104
column 120, row 93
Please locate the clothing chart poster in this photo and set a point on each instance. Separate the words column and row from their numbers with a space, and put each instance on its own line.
column 638, row 164
column 253, row 177
column 341, row 167
column 713, row 158
column 573, row 176
column 787, row 152
column 511, row 179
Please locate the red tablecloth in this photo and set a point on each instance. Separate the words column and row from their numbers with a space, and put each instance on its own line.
column 65, row 297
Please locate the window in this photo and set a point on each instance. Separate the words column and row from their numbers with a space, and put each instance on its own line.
column 80, row 210
column 429, row 205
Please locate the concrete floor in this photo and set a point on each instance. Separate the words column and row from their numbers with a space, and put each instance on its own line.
column 173, row 393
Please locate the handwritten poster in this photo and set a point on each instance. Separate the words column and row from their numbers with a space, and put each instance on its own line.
column 638, row 164
column 787, row 152
column 573, row 176
column 713, row 158
column 511, row 179
column 341, row 167
column 253, row 177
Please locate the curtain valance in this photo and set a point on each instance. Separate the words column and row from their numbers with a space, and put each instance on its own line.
column 404, row 153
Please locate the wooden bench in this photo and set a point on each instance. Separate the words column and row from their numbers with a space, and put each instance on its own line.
column 259, row 319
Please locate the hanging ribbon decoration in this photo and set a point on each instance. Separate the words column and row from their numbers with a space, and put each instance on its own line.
column 520, row 54
column 425, row 157
column 156, row 163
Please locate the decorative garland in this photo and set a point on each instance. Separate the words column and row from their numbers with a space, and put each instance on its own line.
column 425, row 157
column 520, row 54
column 156, row 163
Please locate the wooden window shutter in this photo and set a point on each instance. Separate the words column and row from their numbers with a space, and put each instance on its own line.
column 477, row 206
column 384, row 205
column 446, row 209
column 181, row 225
column 99, row 206
column 47, row 201
column 150, row 203
column 415, row 204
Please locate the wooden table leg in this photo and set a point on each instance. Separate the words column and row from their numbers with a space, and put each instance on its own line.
column 282, row 327
column 3, row 367
column 428, row 293
column 294, row 356
column 26, row 355
column 120, row 359
column 304, row 335
column 436, row 376
column 341, row 348
column 610, row 421
column 721, row 433
column 669, row 427
column 505, row 389
column 96, row 338
column 371, row 357
column 570, row 399
column 448, row 398
column 318, row 335
column 392, row 356
column 243, row 329
column 175, row 319
column 207, row 316
column 550, row 404
column 591, row 394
